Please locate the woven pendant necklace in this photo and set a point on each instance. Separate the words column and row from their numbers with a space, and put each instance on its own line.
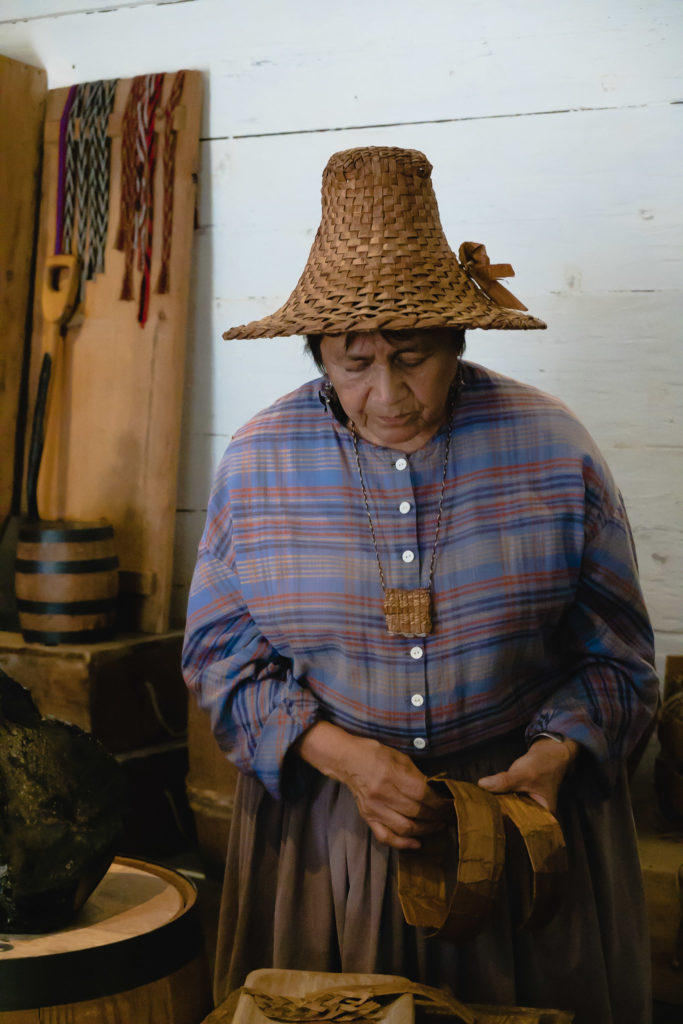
column 409, row 612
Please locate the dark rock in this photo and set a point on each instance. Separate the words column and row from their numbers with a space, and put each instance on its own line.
column 61, row 811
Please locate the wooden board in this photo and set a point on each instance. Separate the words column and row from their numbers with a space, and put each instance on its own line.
column 661, row 857
column 133, row 953
column 303, row 67
column 673, row 677
column 23, row 89
column 128, row 692
column 660, row 845
column 114, row 428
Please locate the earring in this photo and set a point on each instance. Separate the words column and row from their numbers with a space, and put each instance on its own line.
column 327, row 392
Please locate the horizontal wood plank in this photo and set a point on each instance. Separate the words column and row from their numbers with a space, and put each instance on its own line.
column 555, row 135
column 305, row 67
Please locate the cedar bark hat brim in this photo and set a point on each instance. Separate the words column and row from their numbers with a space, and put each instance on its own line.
column 380, row 259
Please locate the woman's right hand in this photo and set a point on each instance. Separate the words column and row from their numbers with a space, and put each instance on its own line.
column 392, row 794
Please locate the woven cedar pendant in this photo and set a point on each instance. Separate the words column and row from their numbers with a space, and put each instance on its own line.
column 408, row 612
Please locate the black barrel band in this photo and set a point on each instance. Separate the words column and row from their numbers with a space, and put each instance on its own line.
column 32, row 982
column 37, row 533
column 103, row 604
column 29, row 565
column 80, row 636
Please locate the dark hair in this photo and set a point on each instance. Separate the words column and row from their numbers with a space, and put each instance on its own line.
column 313, row 343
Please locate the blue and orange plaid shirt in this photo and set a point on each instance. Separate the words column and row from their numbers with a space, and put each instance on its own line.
column 539, row 619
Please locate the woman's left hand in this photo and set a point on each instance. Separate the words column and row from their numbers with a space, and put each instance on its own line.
column 538, row 773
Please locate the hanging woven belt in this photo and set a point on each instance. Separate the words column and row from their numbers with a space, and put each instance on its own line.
column 451, row 883
column 83, row 178
column 145, row 235
column 65, row 193
column 138, row 161
column 170, row 143
column 100, row 156
column 67, row 217
column 125, row 236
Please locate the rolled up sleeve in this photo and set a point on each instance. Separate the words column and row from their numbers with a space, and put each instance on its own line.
column 257, row 707
column 611, row 690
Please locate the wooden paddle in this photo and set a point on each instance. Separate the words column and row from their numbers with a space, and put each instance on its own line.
column 59, row 297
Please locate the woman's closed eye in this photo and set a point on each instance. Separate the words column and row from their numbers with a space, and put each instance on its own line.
column 357, row 366
column 410, row 359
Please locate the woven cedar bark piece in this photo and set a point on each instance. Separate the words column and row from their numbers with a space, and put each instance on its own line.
column 547, row 853
column 408, row 612
column 451, row 883
column 282, row 995
column 380, row 259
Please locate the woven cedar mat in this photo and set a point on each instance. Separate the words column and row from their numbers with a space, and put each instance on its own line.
column 307, row 996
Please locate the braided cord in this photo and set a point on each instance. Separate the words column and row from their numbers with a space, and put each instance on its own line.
column 61, row 173
column 452, row 400
column 101, row 153
column 125, row 233
column 170, row 143
column 148, row 188
column 70, row 161
column 84, row 182
column 140, row 218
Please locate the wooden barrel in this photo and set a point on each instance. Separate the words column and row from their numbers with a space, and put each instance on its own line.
column 134, row 953
column 66, row 582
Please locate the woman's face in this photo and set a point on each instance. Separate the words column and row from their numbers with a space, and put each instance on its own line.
column 395, row 388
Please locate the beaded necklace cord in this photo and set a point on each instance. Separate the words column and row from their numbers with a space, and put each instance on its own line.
column 409, row 612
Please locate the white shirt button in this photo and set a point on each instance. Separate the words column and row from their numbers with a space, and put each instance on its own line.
column 401, row 463
column 417, row 700
column 404, row 508
column 416, row 653
column 419, row 742
column 408, row 556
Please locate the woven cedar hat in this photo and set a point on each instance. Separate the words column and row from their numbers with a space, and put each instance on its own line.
column 380, row 259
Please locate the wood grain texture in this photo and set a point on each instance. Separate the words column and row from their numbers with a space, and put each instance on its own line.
column 127, row 692
column 661, row 857
column 303, row 67
column 135, row 901
column 113, row 435
column 23, row 91
column 24, row 10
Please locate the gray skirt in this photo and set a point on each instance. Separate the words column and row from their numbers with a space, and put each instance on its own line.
column 308, row 887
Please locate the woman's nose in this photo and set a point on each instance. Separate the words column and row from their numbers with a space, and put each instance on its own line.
column 388, row 386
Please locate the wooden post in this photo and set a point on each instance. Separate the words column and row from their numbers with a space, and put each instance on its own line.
column 23, row 89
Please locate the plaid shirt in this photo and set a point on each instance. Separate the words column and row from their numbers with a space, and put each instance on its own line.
column 539, row 619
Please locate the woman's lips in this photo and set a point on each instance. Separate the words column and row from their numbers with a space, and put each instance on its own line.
column 395, row 420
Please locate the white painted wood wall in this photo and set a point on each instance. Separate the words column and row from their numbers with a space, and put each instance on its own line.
column 555, row 131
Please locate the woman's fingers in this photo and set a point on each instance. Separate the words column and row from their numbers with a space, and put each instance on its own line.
column 393, row 795
column 385, row 835
column 538, row 773
column 544, row 792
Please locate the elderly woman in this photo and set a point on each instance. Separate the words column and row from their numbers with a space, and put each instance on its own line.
column 415, row 565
